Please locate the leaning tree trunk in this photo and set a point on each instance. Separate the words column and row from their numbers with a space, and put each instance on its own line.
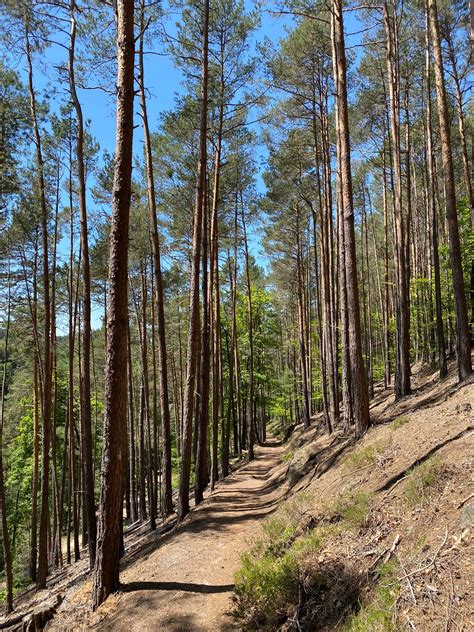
column 106, row 571
column 463, row 338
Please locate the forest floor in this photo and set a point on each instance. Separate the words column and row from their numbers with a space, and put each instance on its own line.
column 182, row 580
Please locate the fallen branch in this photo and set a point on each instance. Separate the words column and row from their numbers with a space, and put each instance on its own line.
column 395, row 484
column 388, row 553
column 412, row 592
column 425, row 568
column 463, row 502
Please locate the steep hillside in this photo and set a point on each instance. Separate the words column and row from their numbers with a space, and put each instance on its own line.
column 376, row 535
column 320, row 533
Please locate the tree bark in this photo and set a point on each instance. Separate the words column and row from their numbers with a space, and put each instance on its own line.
column 360, row 396
column 167, row 497
column 86, row 423
column 47, row 366
column 7, row 556
column 106, row 570
column 443, row 368
column 193, row 332
column 402, row 357
column 463, row 337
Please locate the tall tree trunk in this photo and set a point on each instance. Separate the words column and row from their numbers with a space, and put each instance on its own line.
column 36, row 404
column 47, row 368
column 106, row 571
column 443, row 368
column 301, row 327
column 463, row 338
column 402, row 357
column 167, row 498
column 7, row 556
column 86, row 423
column 193, row 332
column 202, row 404
column 360, row 396
column 250, row 394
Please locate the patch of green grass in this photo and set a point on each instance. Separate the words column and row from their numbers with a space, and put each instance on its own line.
column 288, row 456
column 377, row 614
column 308, row 544
column 277, row 534
column 398, row 422
column 364, row 456
column 422, row 479
column 352, row 509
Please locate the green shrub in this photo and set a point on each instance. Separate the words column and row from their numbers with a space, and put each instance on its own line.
column 308, row 544
column 263, row 586
column 277, row 534
column 399, row 422
column 421, row 479
column 266, row 585
column 377, row 614
column 287, row 456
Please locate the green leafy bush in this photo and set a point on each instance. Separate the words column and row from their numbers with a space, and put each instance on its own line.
column 352, row 509
column 263, row 585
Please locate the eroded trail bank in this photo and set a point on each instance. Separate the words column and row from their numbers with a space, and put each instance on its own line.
column 184, row 580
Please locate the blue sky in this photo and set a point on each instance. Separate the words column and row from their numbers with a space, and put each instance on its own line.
column 163, row 83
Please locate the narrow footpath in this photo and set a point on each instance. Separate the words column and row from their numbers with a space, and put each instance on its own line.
column 183, row 581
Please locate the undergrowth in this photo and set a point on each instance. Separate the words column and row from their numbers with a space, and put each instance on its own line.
column 351, row 509
column 422, row 478
column 364, row 456
column 376, row 614
column 398, row 422
column 267, row 585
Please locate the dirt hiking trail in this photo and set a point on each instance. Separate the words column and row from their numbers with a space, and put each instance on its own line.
column 184, row 580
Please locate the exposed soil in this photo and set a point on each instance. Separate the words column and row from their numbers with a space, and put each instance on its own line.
column 182, row 580
column 433, row 534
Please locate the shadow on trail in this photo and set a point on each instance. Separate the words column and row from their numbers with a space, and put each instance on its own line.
column 185, row 587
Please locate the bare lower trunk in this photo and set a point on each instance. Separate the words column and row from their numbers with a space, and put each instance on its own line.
column 360, row 397
column 463, row 338
column 193, row 333
column 106, row 570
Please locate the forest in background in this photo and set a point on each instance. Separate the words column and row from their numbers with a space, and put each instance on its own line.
column 363, row 208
